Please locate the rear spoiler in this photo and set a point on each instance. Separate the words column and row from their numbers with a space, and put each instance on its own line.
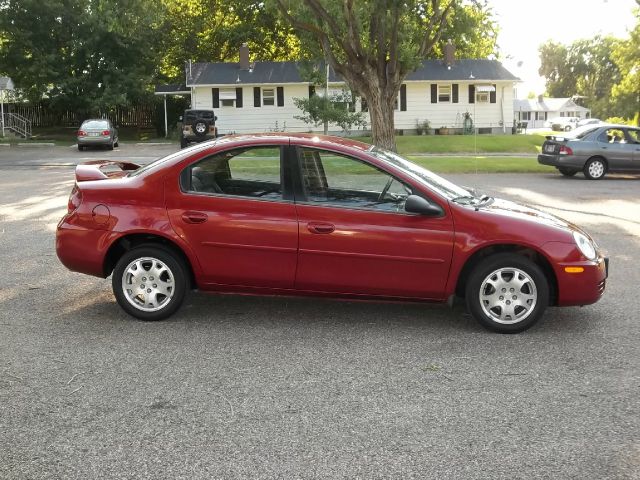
column 94, row 170
column 556, row 138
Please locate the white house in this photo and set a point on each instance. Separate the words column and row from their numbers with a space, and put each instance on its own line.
column 536, row 111
column 258, row 96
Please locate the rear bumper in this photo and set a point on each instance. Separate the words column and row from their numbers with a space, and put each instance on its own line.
column 561, row 161
column 83, row 250
column 94, row 140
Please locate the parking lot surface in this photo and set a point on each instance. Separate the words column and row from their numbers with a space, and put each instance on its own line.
column 253, row 387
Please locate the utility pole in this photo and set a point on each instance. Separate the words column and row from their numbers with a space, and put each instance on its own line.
column 326, row 98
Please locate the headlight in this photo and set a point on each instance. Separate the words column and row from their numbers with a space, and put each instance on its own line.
column 585, row 245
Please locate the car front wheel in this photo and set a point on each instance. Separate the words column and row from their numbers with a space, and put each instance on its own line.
column 149, row 282
column 507, row 293
column 595, row 169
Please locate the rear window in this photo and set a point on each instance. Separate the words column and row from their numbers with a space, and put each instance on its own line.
column 96, row 124
column 580, row 132
column 196, row 114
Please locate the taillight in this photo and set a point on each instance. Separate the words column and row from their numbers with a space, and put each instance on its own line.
column 82, row 133
column 75, row 199
column 564, row 150
column 106, row 133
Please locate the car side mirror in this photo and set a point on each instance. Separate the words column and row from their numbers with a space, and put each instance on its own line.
column 416, row 204
column 215, row 118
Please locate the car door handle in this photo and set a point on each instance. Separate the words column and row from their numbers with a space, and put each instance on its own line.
column 194, row 217
column 317, row 227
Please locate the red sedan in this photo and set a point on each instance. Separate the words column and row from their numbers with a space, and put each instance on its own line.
column 308, row 215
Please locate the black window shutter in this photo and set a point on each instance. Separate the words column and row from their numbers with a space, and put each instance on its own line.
column 454, row 93
column 472, row 94
column 281, row 96
column 239, row 97
column 363, row 105
column 492, row 95
column 403, row 98
column 312, row 90
column 434, row 93
column 256, row 96
column 215, row 93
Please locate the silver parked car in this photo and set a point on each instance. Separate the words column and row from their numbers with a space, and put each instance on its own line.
column 594, row 150
column 97, row 132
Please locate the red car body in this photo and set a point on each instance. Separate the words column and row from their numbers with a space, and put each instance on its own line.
column 237, row 244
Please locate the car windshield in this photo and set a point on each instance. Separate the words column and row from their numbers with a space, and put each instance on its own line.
column 449, row 190
column 98, row 124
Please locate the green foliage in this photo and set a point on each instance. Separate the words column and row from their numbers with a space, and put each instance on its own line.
column 620, row 121
column 213, row 30
column 626, row 92
column 89, row 55
column 333, row 110
column 585, row 68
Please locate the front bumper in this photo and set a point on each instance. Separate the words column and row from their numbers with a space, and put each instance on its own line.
column 582, row 288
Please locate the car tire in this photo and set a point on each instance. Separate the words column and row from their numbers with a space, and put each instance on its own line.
column 149, row 282
column 184, row 143
column 567, row 172
column 200, row 127
column 507, row 293
column 595, row 168
column 80, row 148
column 567, row 128
column 110, row 146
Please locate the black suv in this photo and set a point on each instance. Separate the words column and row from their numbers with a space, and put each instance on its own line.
column 198, row 125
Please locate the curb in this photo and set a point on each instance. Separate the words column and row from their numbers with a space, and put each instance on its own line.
column 35, row 144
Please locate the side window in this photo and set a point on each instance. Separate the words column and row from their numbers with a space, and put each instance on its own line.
column 247, row 172
column 333, row 179
column 634, row 136
column 612, row 135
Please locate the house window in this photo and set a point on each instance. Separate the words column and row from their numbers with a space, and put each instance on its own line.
column 541, row 115
column 444, row 93
column 482, row 97
column 268, row 96
column 228, row 97
column 524, row 115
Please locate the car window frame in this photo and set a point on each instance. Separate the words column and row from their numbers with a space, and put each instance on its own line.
column 286, row 180
column 301, row 197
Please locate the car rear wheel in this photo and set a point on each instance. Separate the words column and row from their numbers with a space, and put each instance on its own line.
column 595, row 169
column 567, row 172
column 507, row 293
column 567, row 128
column 149, row 282
column 184, row 143
column 110, row 146
column 80, row 147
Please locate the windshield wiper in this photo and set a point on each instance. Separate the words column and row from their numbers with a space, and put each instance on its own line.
column 465, row 200
column 484, row 201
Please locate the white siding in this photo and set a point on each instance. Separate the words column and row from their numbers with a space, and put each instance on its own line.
column 250, row 119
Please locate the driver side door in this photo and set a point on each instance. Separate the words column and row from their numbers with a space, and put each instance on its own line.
column 355, row 236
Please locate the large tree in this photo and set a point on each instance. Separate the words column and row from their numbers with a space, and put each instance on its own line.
column 626, row 92
column 375, row 44
column 213, row 30
column 83, row 55
column 585, row 68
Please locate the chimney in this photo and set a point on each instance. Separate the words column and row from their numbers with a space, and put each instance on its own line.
column 449, row 54
column 540, row 98
column 244, row 57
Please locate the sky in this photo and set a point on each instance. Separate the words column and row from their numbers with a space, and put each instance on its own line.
column 526, row 24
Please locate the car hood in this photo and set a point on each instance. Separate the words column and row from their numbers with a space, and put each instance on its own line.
column 523, row 213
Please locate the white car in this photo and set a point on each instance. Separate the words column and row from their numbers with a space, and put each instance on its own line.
column 562, row 123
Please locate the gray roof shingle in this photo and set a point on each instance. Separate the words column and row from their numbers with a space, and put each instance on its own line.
column 287, row 72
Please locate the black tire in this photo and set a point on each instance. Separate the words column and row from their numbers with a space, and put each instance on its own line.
column 595, row 168
column 183, row 142
column 116, row 143
column 171, row 279
column 501, row 269
column 80, row 148
column 110, row 146
column 567, row 172
column 567, row 128
column 200, row 127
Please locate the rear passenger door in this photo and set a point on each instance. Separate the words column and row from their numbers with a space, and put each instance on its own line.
column 615, row 148
column 236, row 211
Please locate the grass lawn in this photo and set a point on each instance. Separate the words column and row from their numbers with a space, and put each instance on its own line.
column 467, row 143
column 481, row 164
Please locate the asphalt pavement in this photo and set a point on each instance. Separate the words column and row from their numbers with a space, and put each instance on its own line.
column 253, row 387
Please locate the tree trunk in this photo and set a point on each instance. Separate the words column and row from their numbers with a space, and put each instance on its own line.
column 381, row 112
